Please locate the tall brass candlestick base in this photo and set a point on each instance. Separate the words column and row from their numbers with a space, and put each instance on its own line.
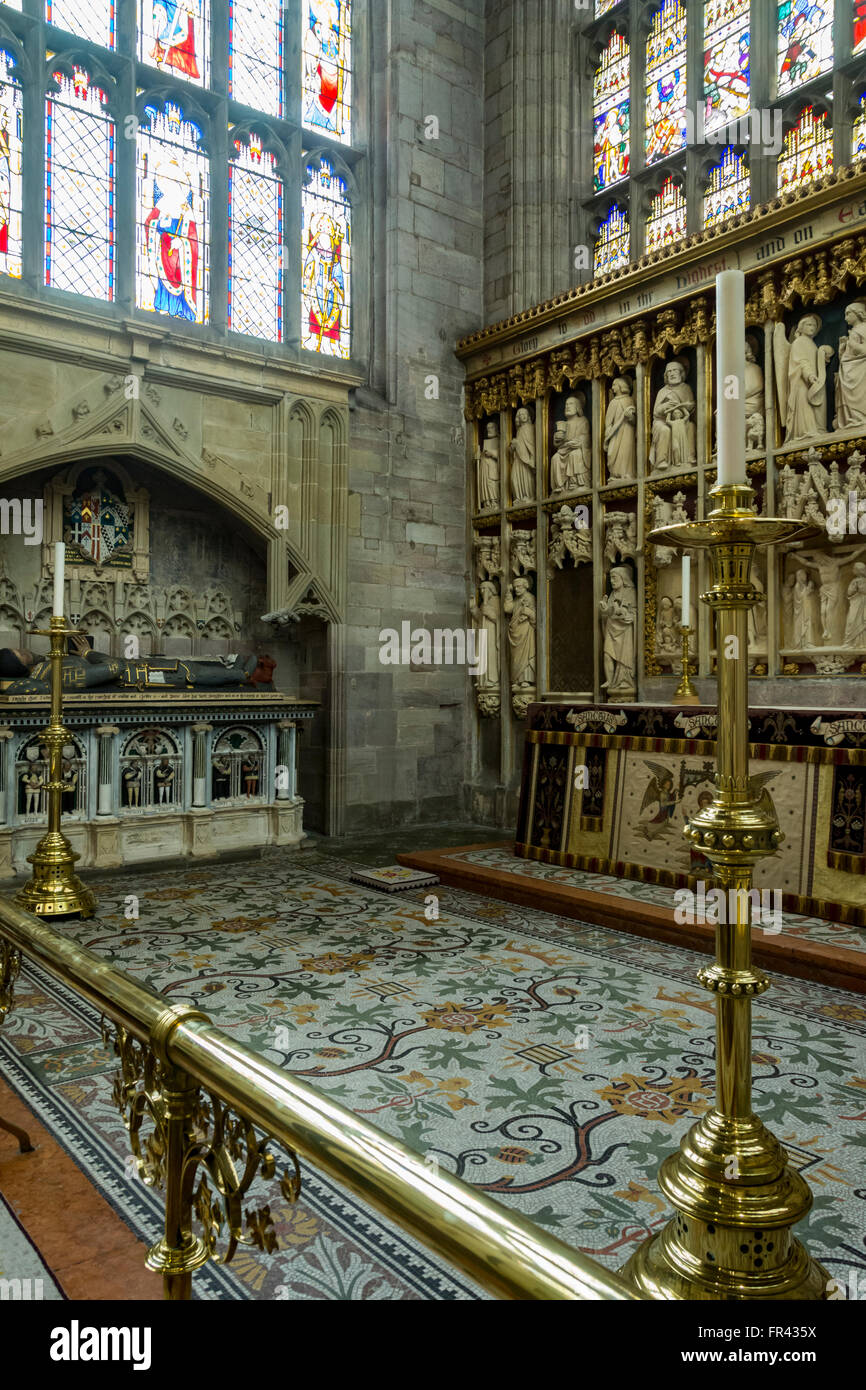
column 735, row 1196
column 55, row 889
column 685, row 693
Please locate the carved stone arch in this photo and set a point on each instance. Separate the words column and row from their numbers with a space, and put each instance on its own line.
column 264, row 129
column 160, row 93
column 141, row 625
column 9, row 40
column 301, row 452
column 70, row 55
column 312, row 159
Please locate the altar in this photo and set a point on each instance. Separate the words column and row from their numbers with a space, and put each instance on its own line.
column 609, row 788
column 154, row 775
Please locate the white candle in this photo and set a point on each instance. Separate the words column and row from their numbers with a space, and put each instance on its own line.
column 59, row 565
column 731, row 376
column 686, row 615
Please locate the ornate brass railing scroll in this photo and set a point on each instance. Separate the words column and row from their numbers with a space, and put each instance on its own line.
column 193, row 1098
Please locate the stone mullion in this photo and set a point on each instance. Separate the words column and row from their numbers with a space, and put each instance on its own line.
column 695, row 153
column 638, row 30
column 843, row 43
column 33, row 172
column 762, row 91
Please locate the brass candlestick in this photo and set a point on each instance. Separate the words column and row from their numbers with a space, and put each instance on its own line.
column 734, row 1194
column 685, row 693
column 55, row 889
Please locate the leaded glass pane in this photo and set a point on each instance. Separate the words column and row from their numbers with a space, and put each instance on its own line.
column 173, row 250
column 666, row 81
column 611, row 115
column 728, row 188
column 667, row 220
column 90, row 19
column 79, row 188
column 858, row 134
column 859, row 26
column 327, row 68
column 256, row 54
column 326, row 265
column 807, row 151
column 804, row 43
column 255, row 243
column 726, row 62
column 11, row 126
column 612, row 243
column 174, row 36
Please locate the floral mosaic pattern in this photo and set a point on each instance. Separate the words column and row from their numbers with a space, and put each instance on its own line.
column 550, row 1063
column 817, row 929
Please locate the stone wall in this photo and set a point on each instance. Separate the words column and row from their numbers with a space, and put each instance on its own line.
column 406, row 734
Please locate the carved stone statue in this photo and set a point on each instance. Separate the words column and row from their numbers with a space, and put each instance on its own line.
column 673, row 436
column 667, row 637
column 829, row 570
column 570, row 464
column 754, row 391
column 523, row 552
column 855, row 622
column 678, row 508
column 488, row 552
column 569, row 536
column 487, row 617
column 802, row 610
column 801, row 378
column 522, row 453
column 788, row 611
column 620, row 536
column 619, row 430
column 487, row 463
column 88, row 670
column 758, row 619
column 618, row 614
column 663, row 555
column 851, row 373
column 519, row 604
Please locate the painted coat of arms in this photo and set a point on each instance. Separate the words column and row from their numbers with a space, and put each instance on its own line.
column 97, row 525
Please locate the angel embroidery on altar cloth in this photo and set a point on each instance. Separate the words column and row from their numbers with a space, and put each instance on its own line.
column 172, row 238
column 659, row 803
column 174, row 26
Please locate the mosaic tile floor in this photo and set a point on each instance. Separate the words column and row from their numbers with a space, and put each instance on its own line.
column 551, row 1063
column 817, row 929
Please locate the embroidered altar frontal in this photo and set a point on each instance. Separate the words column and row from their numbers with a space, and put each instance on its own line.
column 609, row 788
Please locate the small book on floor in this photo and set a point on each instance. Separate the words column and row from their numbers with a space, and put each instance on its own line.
column 394, row 878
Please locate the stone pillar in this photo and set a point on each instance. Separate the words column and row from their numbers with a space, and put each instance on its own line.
column 199, row 765
column 286, row 745
column 105, row 790
column 5, row 736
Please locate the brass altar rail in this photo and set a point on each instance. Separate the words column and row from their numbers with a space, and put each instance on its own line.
column 168, row 1053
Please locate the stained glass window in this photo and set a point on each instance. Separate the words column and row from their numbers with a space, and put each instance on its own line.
column 805, row 42
column 256, row 54
column 90, row 19
column 173, row 216
column 858, row 134
column 728, row 188
column 79, row 188
column 327, row 67
column 326, row 263
column 807, row 151
column 10, row 167
column 726, row 62
column 612, row 243
column 610, row 109
column 666, row 81
column 255, row 242
column 602, row 7
column 667, row 219
column 859, row 26
column 174, row 35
